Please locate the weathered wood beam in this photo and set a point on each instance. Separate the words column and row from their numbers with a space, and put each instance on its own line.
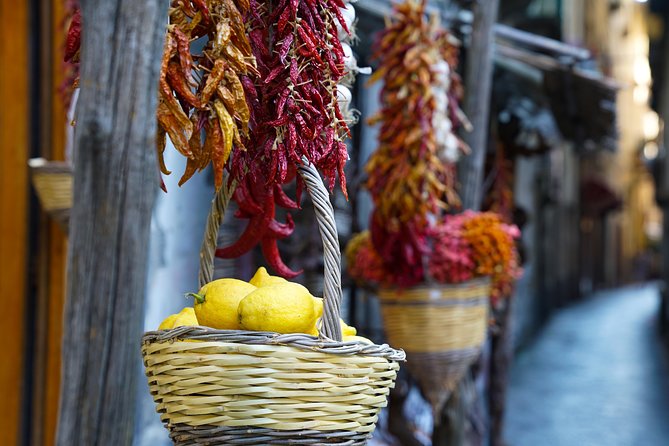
column 517, row 36
column 378, row 9
column 543, row 62
column 502, row 353
column 478, row 84
column 115, row 183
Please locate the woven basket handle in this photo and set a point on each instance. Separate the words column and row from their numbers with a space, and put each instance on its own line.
column 328, row 229
column 208, row 249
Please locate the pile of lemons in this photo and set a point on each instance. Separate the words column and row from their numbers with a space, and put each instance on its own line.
column 264, row 303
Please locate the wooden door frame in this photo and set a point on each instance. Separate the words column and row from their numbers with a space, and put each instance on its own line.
column 14, row 150
column 49, row 257
column 32, row 258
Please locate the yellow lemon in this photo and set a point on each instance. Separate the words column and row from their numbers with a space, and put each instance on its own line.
column 318, row 313
column 347, row 330
column 262, row 278
column 168, row 322
column 186, row 318
column 216, row 303
column 281, row 308
column 318, row 306
column 358, row 339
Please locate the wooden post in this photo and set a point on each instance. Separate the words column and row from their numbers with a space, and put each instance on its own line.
column 115, row 183
column 57, row 238
column 455, row 428
column 478, row 83
column 502, row 351
column 398, row 425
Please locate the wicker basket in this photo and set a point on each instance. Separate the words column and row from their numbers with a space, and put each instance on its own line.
column 441, row 328
column 53, row 183
column 253, row 388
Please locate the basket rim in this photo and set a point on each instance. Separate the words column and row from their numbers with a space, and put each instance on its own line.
column 296, row 340
column 270, row 436
column 42, row 166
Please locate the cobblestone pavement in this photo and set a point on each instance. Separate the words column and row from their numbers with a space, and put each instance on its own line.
column 597, row 375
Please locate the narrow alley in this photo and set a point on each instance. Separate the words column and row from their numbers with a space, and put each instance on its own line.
column 596, row 376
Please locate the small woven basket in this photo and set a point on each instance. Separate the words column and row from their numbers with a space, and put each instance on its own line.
column 225, row 387
column 53, row 183
column 442, row 329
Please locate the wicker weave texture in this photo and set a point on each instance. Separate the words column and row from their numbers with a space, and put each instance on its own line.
column 53, row 184
column 442, row 328
column 438, row 373
column 436, row 319
column 54, row 190
column 281, row 388
column 215, row 435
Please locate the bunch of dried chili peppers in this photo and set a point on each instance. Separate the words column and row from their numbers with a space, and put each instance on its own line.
column 71, row 47
column 411, row 177
column 462, row 246
column 201, row 100
column 451, row 259
column 493, row 249
column 202, row 105
column 295, row 115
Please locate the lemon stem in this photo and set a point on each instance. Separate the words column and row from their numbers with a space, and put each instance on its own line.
column 199, row 298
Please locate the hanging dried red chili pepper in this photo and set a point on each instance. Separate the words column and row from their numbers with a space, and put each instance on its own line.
column 411, row 176
column 408, row 175
column 294, row 113
column 73, row 38
column 71, row 25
